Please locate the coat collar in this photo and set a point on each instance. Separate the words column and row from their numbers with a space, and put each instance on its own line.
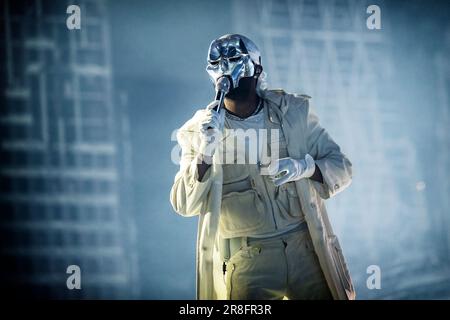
column 276, row 104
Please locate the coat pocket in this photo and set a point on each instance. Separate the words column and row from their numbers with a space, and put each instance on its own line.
column 341, row 266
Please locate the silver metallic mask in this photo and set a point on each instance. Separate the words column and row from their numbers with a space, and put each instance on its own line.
column 232, row 55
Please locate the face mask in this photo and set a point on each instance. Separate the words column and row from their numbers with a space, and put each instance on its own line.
column 234, row 56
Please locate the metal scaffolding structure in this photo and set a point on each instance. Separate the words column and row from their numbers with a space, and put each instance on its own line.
column 324, row 49
column 64, row 197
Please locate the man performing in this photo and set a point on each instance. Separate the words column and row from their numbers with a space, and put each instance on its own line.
column 263, row 230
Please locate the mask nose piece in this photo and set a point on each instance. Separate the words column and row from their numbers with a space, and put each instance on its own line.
column 223, row 65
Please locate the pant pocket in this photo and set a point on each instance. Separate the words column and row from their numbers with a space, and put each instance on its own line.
column 231, row 267
column 302, row 244
column 242, row 266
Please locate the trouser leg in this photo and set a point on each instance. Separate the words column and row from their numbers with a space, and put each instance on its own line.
column 305, row 277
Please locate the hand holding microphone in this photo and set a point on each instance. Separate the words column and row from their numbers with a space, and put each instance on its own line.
column 211, row 124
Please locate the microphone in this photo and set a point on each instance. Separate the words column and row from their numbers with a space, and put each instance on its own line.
column 223, row 85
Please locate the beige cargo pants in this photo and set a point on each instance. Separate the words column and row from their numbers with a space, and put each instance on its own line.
column 281, row 267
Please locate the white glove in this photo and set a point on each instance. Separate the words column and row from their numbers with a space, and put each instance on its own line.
column 211, row 126
column 289, row 169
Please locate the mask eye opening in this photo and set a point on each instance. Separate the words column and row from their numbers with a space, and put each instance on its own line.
column 234, row 59
column 213, row 62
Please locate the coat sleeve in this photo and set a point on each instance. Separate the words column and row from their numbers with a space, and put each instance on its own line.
column 336, row 169
column 189, row 196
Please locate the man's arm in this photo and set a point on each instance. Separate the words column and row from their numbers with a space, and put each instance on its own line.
column 189, row 193
column 333, row 169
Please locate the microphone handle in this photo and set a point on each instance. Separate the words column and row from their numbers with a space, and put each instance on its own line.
column 220, row 96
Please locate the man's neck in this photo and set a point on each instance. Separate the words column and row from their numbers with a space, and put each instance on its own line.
column 242, row 107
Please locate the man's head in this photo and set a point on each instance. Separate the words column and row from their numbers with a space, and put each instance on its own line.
column 238, row 58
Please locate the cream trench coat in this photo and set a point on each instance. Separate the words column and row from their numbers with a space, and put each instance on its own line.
column 303, row 133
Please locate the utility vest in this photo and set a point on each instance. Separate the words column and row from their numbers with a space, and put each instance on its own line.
column 251, row 204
